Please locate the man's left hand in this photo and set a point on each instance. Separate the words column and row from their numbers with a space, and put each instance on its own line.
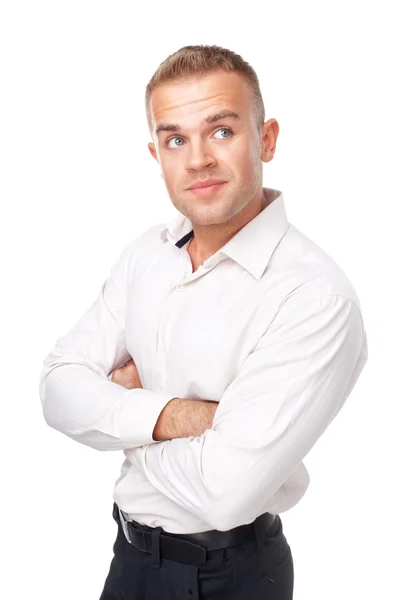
column 127, row 376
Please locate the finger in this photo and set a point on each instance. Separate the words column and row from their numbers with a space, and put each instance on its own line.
column 127, row 364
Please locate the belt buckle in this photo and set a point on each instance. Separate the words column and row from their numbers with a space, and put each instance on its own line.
column 124, row 525
column 195, row 550
column 140, row 534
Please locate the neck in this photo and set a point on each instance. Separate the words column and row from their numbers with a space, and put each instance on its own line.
column 208, row 239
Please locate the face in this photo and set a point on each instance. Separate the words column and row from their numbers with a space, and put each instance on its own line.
column 231, row 148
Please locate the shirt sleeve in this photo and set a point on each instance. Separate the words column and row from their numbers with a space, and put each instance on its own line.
column 77, row 394
column 285, row 395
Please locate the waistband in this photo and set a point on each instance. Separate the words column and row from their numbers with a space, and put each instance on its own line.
column 192, row 547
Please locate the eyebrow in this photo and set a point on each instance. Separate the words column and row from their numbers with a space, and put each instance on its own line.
column 222, row 114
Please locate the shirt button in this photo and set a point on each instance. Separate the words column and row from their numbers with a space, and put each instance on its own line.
column 179, row 288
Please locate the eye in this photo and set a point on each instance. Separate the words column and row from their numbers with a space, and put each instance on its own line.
column 173, row 138
column 224, row 129
column 179, row 138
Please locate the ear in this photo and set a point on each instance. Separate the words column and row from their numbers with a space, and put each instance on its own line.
column 153, row 151
column 270, row 132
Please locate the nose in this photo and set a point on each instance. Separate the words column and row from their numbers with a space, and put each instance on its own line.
column 199, row 156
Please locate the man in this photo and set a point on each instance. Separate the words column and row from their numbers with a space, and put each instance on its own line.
column 218, row 351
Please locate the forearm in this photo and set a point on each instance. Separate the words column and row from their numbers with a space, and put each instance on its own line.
column 88, row 408
column 184, row 417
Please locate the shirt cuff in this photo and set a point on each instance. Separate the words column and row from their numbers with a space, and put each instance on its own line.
column 139, row 415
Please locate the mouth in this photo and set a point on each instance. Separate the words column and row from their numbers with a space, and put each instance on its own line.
column 208, row 189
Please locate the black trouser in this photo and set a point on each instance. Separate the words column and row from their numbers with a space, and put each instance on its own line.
column 242, row 572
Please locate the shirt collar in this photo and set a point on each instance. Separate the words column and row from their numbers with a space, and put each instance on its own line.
column 253, row 245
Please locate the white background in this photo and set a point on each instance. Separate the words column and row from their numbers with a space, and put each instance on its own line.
column 78, row 183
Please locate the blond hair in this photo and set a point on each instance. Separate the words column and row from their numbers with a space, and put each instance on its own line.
column 201, row 60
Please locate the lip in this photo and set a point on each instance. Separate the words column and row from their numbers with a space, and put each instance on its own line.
column 208, row 190
column 206, row 183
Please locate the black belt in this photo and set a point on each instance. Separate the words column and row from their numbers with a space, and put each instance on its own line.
column 190, row 548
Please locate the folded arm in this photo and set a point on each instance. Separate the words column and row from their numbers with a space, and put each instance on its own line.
column 286, row 394
column 77, row 396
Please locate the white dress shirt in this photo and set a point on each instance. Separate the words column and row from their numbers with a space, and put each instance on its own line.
column 269, row 326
